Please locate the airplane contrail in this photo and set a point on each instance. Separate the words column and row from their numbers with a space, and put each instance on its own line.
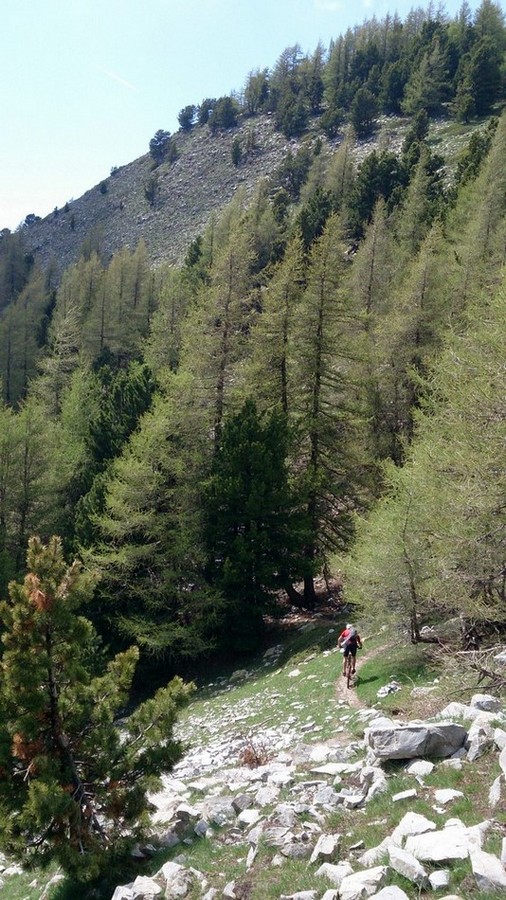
column 131, row 87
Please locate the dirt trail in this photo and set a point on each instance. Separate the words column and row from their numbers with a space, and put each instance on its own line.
column 349, row 694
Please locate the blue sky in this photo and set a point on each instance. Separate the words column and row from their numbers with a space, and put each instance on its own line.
column 84, row 84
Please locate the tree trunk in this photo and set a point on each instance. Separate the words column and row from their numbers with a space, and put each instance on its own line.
column 309, row 592
column 294, row 597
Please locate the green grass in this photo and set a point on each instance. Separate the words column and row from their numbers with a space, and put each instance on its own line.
column 409, row 665
column 272, row 693
column 30, row 885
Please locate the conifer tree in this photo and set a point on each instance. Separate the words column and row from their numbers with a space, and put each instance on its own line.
column 326, row 402
column 435, row 543
column 147, row 545
column 255, row 524
column 73, row 785
column 267, row 374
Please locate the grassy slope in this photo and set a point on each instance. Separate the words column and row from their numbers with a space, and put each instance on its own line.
column 269, row 695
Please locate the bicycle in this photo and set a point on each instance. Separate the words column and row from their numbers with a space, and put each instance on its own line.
column 349, row 664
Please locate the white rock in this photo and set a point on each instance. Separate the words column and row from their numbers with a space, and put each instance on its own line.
column 300, row 895
column 375, row 854
column 248, row 817
column 407, row 865
column 405, row 795
column 486, row 702
column 177, row 878
column 363, row 884
column 327, row 847
column 453, row 842
column 267, row 795
column 500, row 738
column 123, row 892
column 414, row 740
column 334, row 873
column 503, row 851
column 420, row 767
column 212, row 894
column 502, row 759
column 494, row 794
column 319, row 754
column 488, row 871
column 439, row 879
column 391, row 892
column 411, row 824
column 145, row 888
column 13, row 870
column 451, row 764
column 445, row 795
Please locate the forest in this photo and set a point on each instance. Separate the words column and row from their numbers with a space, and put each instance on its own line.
column 319, row 388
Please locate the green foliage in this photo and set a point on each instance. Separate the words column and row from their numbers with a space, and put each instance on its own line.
column 186, row 117
column 223, row 114
column 313, row 216
column 152, row 589
column 293, row 171
column 381, row 175
column 362, row 112
column 73, row 784
column 159, row 145
column 326, row 402
column 236, row 151
column 256, row 92
column 151, row 188
column 432, row 542
column 255, row 531
column 472, row 157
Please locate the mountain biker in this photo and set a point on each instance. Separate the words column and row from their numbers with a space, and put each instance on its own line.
column 349, row 640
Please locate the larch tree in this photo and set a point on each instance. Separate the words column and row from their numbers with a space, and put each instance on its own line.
column 255, row 526
column 326, row 403
column 266, row 373
column 435, row 544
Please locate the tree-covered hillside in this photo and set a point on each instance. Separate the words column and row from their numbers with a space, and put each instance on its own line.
column 318, row 383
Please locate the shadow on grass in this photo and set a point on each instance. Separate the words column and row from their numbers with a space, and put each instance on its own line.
column 361, row 680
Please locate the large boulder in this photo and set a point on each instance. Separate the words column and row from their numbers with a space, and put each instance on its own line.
column 452, row 842
column 415, row 740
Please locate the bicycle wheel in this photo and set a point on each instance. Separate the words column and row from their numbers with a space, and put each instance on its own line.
column 349, row 675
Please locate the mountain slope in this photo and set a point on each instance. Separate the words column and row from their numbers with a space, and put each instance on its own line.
column 199, row 183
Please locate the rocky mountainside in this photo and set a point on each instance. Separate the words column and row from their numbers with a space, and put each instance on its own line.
column 188, row 191
column 192, row 188
column 293, row 788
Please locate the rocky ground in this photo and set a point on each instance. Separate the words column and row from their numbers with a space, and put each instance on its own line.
column 269, row 796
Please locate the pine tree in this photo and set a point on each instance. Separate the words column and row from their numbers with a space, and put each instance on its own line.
column 255, row 528
column 73, row 785
column 434, row 546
